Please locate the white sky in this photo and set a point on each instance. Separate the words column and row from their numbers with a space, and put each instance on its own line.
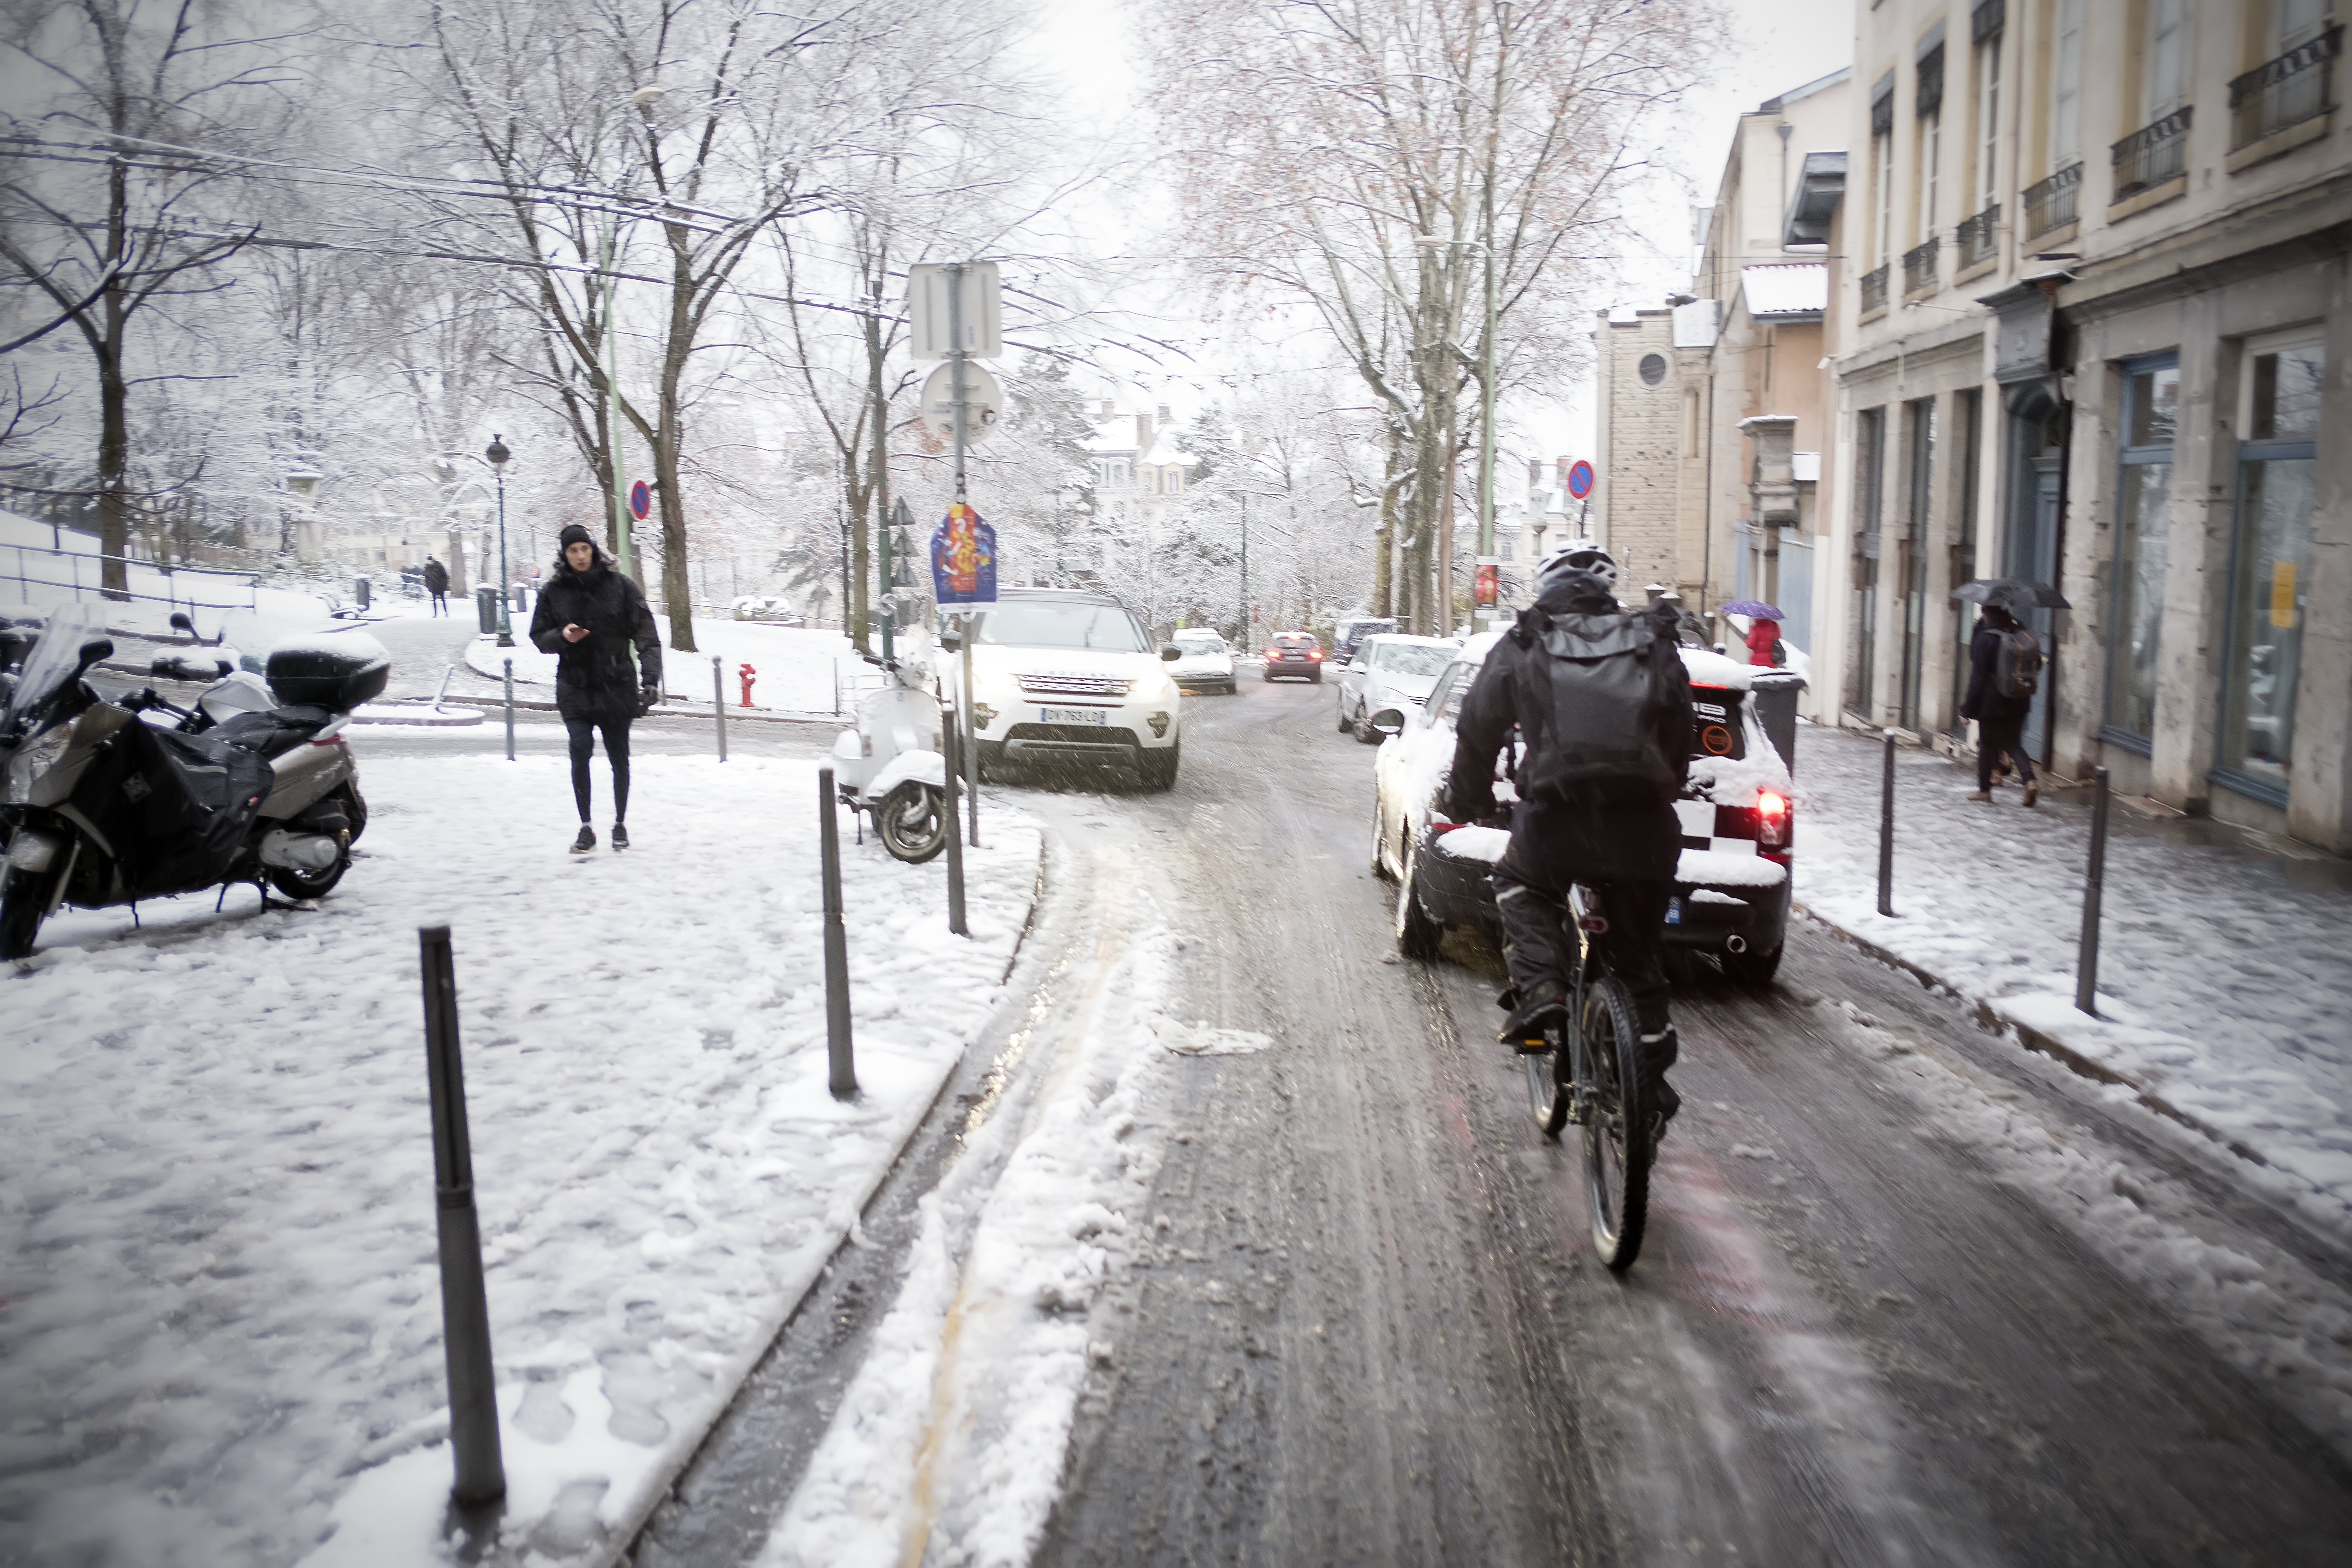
column 1774, row 45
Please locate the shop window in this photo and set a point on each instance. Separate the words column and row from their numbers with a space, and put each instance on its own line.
column 2143, row 526
column 2269, row 572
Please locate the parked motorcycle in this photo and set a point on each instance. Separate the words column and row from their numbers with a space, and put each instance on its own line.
column 890, row 766
column 101, row 805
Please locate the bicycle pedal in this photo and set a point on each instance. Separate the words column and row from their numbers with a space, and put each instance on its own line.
column 1535, row 1048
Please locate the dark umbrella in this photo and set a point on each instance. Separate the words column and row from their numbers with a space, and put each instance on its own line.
column 2015, row 595
column 1754, row 609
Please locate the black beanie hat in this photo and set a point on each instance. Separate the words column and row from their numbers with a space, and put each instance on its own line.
column 573, row 533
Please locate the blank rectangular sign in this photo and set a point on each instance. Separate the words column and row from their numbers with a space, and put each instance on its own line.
column 927, row 310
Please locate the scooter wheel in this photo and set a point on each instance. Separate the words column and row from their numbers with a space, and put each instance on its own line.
column 297, row 883
column 912, row 820
column 23, row 901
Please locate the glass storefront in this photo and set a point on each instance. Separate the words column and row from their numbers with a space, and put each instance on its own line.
column 2271, row 564
column 2143, row 525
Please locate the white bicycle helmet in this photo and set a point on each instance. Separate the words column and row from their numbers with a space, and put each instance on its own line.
column 1584, row 555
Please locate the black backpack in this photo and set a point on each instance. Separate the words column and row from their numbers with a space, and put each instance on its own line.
column 2017, row 664
column 1606, row 677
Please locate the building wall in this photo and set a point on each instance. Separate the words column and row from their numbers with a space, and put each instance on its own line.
column 1637, row 495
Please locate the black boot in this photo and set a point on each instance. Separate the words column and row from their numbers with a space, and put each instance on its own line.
column 1540, row 1007
column 585, row 842
column 620, row 835
column 1665, row 1103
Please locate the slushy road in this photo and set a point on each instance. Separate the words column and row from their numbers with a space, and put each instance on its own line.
column 1909, row 1295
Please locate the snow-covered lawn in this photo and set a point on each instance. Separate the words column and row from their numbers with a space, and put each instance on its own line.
column 2223, row 982
column 797, row 665
column 219, row 1315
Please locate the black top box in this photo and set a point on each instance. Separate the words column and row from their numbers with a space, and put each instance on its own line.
column 326, row 678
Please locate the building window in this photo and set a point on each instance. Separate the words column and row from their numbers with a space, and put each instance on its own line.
column 2164, row 81
column 2066, row 85
column 2270, row 563
column 1861, row 641
column 1882, row 196
column 2143, row 526
column 1911, row 564
column 1653, row 369
column 1988, row 56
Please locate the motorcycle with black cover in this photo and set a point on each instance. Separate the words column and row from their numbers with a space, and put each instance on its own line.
column 101, row 805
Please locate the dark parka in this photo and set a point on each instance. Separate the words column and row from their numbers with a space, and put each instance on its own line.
column 437, row 577
column 1572, row 841
column 595, row 677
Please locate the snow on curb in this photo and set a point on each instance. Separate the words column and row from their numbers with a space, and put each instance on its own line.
column 222, row 1339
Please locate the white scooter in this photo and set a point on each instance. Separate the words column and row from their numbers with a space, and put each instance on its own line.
column 891, row 767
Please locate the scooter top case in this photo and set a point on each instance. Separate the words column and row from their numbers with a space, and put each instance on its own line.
column 337, row 671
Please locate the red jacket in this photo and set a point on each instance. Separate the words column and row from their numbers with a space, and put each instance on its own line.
column 1761, row 636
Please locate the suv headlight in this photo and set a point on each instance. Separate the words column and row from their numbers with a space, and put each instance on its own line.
column 34, row 758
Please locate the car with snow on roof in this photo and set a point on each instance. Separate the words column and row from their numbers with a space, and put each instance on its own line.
column 1733, row 881
column 1389, row 672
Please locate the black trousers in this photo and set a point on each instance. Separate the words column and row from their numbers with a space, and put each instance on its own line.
column 1539, row 947
column 616, row 752
column 1996, row 736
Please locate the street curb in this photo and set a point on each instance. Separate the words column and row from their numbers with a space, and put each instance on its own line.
column 2033, row 1039
column 623, row 1542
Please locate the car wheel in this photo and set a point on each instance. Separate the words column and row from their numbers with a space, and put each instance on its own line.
column 1158, row 768
column 1379, row 867
column 1347, row 725
column 1315, row 677
column 1418, row 936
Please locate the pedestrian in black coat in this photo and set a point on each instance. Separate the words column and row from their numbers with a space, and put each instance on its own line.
column 2001, row 719
column 592, row 619
column 437, row 585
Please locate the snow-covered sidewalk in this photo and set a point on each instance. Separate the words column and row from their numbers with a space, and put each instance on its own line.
column 2224, row 990
column 219, row 1316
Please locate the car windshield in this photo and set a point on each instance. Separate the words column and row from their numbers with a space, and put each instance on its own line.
column 1199, row 645
column 1410, row 658
column 1294, row 642
column 1036, row 622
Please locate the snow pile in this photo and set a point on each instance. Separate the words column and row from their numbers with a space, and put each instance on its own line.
column 1707, row 667
column 222, row 1342
column 950, row 1443
column 1723, row 869
column 2224, row 989
column 1488, row 844
column 797, row 666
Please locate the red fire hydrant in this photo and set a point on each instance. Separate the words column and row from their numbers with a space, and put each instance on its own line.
column 747, row 676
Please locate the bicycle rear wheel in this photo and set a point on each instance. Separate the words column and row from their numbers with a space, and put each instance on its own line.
column 1616, row 1122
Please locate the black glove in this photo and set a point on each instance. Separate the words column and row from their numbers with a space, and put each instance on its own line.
column 649, row 698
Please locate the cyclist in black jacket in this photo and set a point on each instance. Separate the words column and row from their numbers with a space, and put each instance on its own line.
column 1622, row 842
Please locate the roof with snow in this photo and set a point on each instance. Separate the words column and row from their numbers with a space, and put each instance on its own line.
column 1165, row 450
column 1795, row 289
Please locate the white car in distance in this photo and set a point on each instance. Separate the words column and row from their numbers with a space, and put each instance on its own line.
column 1203, row 662
column 1390, row 670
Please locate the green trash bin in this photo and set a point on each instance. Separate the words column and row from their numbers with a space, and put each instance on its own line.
column 486, row 606
column 359, row 590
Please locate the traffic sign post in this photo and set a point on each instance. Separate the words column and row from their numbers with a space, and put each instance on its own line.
column 1580, row 478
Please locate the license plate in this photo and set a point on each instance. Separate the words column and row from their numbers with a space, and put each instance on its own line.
column 1074, row 716
column 1673, row 911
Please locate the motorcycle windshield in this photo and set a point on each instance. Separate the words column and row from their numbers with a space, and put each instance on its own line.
column 49, row 671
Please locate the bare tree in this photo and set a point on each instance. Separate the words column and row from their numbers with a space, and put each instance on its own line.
column 104, row 212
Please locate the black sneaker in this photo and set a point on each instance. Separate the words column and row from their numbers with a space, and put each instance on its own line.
column 620, row 835
column 1545, row 1007
column 585, row 842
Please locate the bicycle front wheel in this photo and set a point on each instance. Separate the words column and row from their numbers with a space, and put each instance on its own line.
column 1616, row 1123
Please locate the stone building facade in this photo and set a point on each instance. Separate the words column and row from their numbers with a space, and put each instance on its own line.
column 1637, row 496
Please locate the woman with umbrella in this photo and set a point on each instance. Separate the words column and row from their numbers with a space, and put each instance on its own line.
column 1763, row 630
column 2004, row 672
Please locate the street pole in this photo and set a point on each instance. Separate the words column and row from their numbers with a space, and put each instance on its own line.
column 840, row 1059
column 498, row 454
column 1241, row 628
column 969, row 741
column 2094, row 887
column 719, row 704
column 624, row 547
column 511, row 711
column 1886, row 832
column 890, row 592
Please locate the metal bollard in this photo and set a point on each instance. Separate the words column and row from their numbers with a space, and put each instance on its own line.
column 719, row 704
column 464, row 1308
column 511, row 711
column 1886, row 832
column 837, row 943
column 2094, row 882
column 970, row 733
column 950, row 750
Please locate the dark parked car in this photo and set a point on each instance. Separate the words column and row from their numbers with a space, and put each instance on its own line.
column 1294, row 656
column 1732, row 887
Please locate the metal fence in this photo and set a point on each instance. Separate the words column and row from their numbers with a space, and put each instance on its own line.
column 1873, row 289
column 2154, row 153
column 1920, row 266
column 2281, row 93
column 2051, row 203
column 1978, row 236
column 33, row 576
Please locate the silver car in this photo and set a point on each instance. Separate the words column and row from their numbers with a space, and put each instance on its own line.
column 1390, row 670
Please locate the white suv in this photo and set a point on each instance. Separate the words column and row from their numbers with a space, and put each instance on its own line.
column 1068, row 677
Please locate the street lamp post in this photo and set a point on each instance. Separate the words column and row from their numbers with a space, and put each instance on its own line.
column 1486, row 410
column 498, row 454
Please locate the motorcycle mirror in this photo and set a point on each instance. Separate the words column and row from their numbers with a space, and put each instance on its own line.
column 1169, row 651
column 179, row 623
column 93, row 650
column 1388, row 721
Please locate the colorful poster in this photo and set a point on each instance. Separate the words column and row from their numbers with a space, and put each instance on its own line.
column 964, row 559
column 1489, row 588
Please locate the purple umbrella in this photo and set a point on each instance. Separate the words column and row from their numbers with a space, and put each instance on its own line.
column 1754, row 609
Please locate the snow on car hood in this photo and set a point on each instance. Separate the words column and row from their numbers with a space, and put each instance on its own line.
column 1006, row 663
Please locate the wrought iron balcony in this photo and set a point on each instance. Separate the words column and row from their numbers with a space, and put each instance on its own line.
column 2286, row 92
column 2051, row 203
column 1873, row 289
column 1920, row 266
column 2153, row 153
column 1979, row 237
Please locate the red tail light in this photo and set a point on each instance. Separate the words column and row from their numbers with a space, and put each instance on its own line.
column 1315, row 653
column 1772, row 820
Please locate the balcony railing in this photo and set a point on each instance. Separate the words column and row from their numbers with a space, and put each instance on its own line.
column 1979, row 236
column 2051, row 204
column 2286, row 92
column 2153, row 153
column 1873, row 289
column 1920, row 266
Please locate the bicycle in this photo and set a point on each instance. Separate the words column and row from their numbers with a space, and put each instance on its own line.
column 1591, row 1075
